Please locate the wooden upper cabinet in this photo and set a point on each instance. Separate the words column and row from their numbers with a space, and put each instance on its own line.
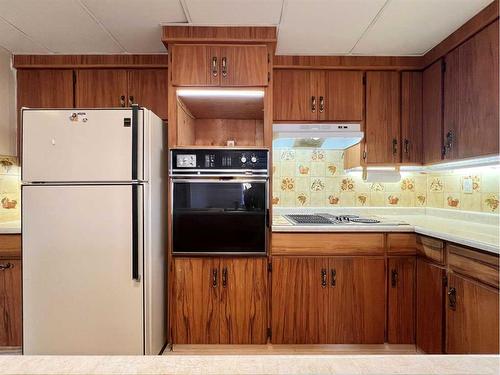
column 451, row 117
column 411, row 117
column 356, row 312
column 243, row 313
column 432, row 113
column 472, row 317
column 401, row 300
column 45, row 88
column 148, row 88
column 206, row 65
column 382, row 117
column 243, row 66
column 430, row 307
column 100, row 88
column 344, row 96
column 293, row 95
column 195, row 301
column 10, row 302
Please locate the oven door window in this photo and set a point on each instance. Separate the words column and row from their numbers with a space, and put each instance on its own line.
column 219, row 217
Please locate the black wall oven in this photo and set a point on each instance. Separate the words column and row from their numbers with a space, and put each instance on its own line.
column 220, row 201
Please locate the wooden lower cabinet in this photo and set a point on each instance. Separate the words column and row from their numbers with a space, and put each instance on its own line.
column 219, row 301
column 318, row 300
column 401, row 300
column 429, row 308
column 472, row 317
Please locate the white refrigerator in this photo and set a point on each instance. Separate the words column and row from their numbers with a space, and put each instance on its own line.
column 94, row 231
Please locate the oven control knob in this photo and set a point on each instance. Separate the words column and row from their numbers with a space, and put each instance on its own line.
column 243, row 159
column 253, row 159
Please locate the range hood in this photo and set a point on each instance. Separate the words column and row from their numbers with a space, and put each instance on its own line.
column 330, row 136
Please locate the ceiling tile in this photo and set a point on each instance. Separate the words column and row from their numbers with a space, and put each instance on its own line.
column 409, row 27
column 15, row 41
column 234, row 12
column 136, row 24
column 324, row 27
column 61, row 25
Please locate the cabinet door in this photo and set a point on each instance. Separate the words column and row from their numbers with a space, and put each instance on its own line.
column 45, row 88
column 411, row 117
column 452, row 103
column 299, row 300
column 401, row 300
column 471, row 317
column 357, row 300
column 244, row 66
column 10, row 302
column 196, row 302
column 432, row 113
column 243, row 313
column 382, row 117
column 344, row 98
column 294, row 93
column 195, row 65
column 148, row 88
column 101, row 88
column 478, row 132
column 430, row 307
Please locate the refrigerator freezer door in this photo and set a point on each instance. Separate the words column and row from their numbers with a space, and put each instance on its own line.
column 81, row 145
column 79, row 296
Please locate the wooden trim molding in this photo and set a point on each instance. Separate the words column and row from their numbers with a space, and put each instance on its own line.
column 90, row 61
column 218, row 34
column 349, row 62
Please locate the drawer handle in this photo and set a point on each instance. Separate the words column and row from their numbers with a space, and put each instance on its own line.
column 6, row 266
column 323, row 278
column 452, row 299
column 394, row 278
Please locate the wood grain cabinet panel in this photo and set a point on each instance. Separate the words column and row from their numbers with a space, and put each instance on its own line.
column 344, row 96
column 356, row 313
column 432, row 113
column 451, row 116
column 10, row 302
column 243, row 66
column 243, row 318
column 382, row 117
column 293, row 94
column 196, row 301
column 430, row 307
column 194, row 65
column 148, row 88
column 101, row 88
column 401, row 300
column 45, row 88
column 411, row 117
column 472, row 317
column 299, row 300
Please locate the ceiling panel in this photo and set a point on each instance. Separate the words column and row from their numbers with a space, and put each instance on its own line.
column 324, row 27
column 408, row 27
column 60, row 25
column 136, row 24
column 234, row 12
column 15, row 41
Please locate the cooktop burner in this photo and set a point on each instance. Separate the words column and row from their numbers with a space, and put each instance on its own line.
column 330, row 219
column 309, row 219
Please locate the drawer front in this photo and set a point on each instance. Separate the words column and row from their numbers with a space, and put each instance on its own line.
column 475, row 264
column 431, row 248
column 10, row 246
column 401, row 244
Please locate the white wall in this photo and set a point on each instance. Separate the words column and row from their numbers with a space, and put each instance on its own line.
column 8, row 128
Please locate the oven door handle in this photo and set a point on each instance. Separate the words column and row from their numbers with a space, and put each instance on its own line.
column 216, row 180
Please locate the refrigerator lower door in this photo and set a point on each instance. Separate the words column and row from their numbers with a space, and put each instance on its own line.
column 79, row 294
column 79, row 145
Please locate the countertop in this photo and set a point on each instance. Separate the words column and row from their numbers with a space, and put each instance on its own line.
column 10, row 227
column 476, row 230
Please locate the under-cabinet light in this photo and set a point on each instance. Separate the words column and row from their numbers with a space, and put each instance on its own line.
column 220, row 93
column 486, row 161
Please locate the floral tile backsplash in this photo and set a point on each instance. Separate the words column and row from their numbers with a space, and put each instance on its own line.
column 316, row 178
column 10, row 189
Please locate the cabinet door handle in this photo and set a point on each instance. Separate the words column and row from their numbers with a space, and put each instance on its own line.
column 224, row 277
column 215, row 70
column 333, row 277
column 214, row 278
column 313, row 104
column 6, row 266
column 448, row 144
column 224, row 67
column 122, row 101
column 452, row 299
column 321, row 104
column 394, row 146
column 323, row 277
column 394, row 278
column 407, row 146
column 130, row 100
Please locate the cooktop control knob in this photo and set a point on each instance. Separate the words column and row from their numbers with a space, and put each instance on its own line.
column 243, row 159
column 253, row 159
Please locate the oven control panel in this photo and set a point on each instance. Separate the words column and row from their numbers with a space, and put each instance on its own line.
column 220, row 159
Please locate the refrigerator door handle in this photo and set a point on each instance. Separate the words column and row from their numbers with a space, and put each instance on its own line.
column 135, row 233
column 135, row 126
